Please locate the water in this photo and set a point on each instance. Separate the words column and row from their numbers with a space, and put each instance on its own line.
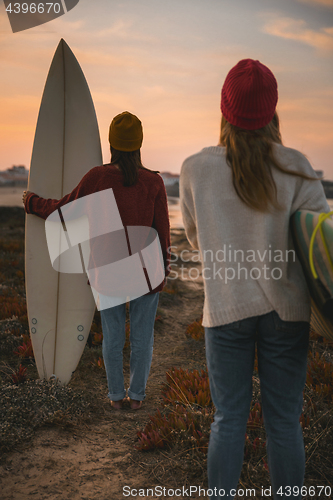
column 176, row 220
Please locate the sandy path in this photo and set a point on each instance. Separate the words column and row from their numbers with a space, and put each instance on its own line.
column 62, row 465
column 96, row 460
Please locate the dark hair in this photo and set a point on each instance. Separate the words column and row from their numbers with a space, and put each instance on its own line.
column 129, row 163
column 250, row 155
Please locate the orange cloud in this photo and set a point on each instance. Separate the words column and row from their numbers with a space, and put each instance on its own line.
column 326, row 3
column 296, row 29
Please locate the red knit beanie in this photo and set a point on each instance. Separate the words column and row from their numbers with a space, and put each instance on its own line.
column 249, row 95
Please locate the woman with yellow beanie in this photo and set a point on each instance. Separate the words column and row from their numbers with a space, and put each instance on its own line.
column 141, row 201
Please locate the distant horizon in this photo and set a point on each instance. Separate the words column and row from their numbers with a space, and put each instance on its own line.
column 161, row 171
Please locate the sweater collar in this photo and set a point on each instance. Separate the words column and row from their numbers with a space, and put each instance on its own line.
column 218, row 150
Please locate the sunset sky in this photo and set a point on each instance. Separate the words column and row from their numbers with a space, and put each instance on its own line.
column 165, row 61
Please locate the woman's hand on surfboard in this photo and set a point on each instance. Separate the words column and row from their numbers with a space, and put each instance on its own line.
column 25, row 194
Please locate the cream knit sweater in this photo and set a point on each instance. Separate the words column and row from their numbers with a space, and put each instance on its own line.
column 247, row 268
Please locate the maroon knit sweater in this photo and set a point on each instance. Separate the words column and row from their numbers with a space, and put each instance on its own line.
column 143, row 204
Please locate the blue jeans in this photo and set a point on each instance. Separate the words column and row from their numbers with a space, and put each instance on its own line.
column 282, row 363
column 142, row 312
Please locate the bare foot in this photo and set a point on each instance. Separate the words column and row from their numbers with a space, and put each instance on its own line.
column 135, row 405
column 117, row 405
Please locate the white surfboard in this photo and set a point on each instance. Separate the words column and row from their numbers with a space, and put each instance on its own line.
column 66, row 146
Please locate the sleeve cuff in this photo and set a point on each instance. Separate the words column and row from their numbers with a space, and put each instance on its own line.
column 27, row 205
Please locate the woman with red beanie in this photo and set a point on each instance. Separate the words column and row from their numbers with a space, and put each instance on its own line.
column 141, row 201
column 236, row 202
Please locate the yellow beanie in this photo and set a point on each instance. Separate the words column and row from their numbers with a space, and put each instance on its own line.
column 125, row 132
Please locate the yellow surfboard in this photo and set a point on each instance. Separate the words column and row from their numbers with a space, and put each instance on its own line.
column 313, row 238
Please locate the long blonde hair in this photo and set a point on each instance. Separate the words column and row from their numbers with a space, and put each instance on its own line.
column 249, row 153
